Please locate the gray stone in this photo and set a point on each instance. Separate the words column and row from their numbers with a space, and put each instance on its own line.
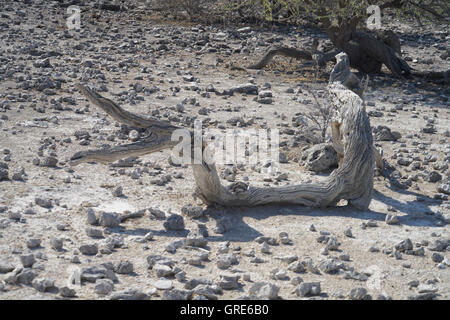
column 443, row 188
column 129, row 294
column 436, row 257
column 109, row 219
column 67, row 292
column 49, row 162
column 6, row 266
column 423, row 296
column 319, row 158
column 195, row 240
column 296, row 281
column 27, row 260
column 153, row 260
column 14, row 215
column 383, row 133
column 4, row 174
column 93, row 273
column 439, row 245
column 103, row 286
column 331, row 265
column 174, row 222
column 296, row 267
column 194, row 282
column 358, row 293
column 56, row 244
column 192, row 211
column 426, row 288
column 404, row 245
column 91, row 217
column 43, row 202
column 176, row 294
column 94, row 232
column 33, row 243
column 26, row 276
column 163, row 284
column 43, row 284
column 207, row 291
column 224, row 261
column 248, row 88
column 391, row 219
column 89, row 249
column 308, row 289
column 264, row 290
column 265, row 248
column 333, row 244
column 223, row 225
column 124, row 267
column 229, row 282
column 433, row 177
column 348, row 232
column 117, row 192
column 157, row 213
column 162, row 270
column 310, row 265
column 42, row 63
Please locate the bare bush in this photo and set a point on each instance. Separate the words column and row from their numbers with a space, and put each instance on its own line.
column 314, row 121
column 192, row 8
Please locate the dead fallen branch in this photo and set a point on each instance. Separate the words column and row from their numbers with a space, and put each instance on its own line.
column 352, row 138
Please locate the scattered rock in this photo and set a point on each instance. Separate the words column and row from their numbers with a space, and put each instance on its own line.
column 176, row 294
column 163, row 284
column 174, row 222
column 358, row 293
column 43, row 202
column 192, row 211
column 6, row 266
column 91, row 217
column 308, row 289
column 264, row 290
column 124, row 267
column 89, row 249
column 319, row 158
column 109, row 219
column 67, row 292
column 129, row 294
column 43, row 284
column 33, row 243
column 56, row 244
column 404, row 245
column 229, row 282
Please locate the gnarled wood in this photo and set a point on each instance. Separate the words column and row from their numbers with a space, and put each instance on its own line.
column 283, row 51
column 352, row 180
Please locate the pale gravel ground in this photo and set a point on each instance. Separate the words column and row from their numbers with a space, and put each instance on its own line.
column 247, row 223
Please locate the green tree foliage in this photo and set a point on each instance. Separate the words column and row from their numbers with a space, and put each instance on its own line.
column 295, row 11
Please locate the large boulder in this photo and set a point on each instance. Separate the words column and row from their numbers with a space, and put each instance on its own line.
column 383, row 133
column 319, row 158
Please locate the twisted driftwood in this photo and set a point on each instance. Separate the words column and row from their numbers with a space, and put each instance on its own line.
column 352, row 137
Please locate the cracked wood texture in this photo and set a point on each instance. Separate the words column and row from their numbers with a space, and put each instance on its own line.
column 352, row 181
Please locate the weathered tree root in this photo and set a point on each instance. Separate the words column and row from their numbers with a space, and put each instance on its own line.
column 352, row 180
column 309, row 55
column 283, row 51
column 367, row 52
